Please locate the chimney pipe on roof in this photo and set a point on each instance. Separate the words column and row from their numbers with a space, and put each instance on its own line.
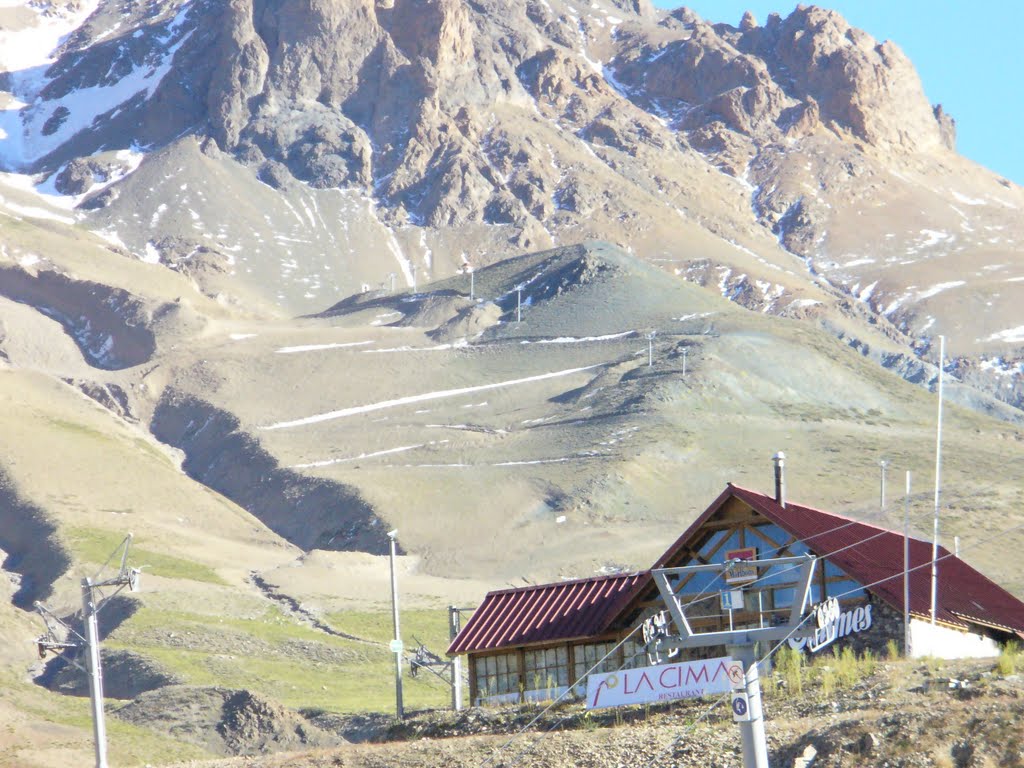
column 780, row 478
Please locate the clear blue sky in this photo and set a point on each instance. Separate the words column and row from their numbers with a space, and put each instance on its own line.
column 970, row 56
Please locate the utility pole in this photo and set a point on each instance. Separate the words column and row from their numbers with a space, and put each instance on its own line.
column 519, row 303
column 650, row 348
column 881, row 502
column 396, row 644
column 684, row 362
column 906, row 570
column 92, row 602
column 938, row 481
column 454, row 627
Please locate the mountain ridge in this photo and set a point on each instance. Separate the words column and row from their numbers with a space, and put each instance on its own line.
column 619, row 122
column 527, row 282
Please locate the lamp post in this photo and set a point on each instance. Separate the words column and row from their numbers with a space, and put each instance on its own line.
column 396, row 644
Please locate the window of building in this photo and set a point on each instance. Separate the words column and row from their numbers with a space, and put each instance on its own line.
column 546, row 669
column 633, row 654
column 497, row 675
column 589, row 655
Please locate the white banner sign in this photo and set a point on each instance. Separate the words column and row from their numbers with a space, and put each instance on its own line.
column 664, row 682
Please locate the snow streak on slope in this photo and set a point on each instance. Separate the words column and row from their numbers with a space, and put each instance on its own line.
column 340, row 414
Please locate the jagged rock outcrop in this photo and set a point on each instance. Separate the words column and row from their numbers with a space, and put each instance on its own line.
column 398, row 97
column 862, row 87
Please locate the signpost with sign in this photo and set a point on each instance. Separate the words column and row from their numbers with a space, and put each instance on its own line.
column 744, row 571
column 740, row 707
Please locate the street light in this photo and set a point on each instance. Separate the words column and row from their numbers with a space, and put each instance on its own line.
column 396, row 644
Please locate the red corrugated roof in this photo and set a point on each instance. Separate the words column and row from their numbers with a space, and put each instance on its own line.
column 874, row 556
column 867, row 553
column 550, row 612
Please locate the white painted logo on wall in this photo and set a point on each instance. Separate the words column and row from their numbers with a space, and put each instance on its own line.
column 833, row 624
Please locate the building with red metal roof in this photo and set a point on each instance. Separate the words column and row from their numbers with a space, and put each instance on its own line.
column 535, row 642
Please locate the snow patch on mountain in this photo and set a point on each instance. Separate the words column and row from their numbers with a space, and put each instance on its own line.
column 939, row 288
column 1010, row 335
column 37, row 126
column 25, row 54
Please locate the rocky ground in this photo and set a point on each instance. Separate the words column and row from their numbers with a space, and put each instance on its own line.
column 898, row 714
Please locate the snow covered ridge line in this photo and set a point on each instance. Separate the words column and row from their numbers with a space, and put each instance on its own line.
column 344, row 412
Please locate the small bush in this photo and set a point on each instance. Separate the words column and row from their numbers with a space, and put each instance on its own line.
column 1011, row 658
column 789, row 664
column 892, row 650
column 842, row 669
column 868, row 663
column 847, row 668
column 828, row 681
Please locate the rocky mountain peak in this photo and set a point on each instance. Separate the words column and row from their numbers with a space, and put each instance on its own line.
column 865, row 89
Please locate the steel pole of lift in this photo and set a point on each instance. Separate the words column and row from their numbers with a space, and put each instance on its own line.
column 399, row 708
column 92, row 651
column 755, row 748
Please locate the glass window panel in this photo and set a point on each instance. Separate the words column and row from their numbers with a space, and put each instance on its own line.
column 498, row 674
column 798, row 548
column 588, row 656
column 832, row 570
column 783, row 598
column 847, row 589
column 772, row 532
column 780, row 574
column 733, row 542
column 712, row 542
column 701, row 582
